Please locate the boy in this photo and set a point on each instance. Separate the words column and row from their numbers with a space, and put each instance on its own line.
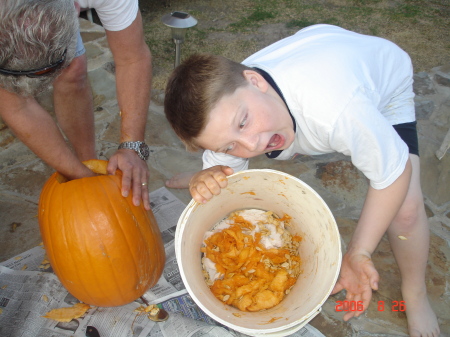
column 322, row 90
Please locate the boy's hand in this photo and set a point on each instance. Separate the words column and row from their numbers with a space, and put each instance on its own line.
column 207, row 183
column 358, row 276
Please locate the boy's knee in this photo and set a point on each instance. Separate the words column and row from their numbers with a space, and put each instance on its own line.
column 408, row 216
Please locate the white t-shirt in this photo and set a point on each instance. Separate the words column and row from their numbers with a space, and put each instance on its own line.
column 115, row 15
column 345, row 91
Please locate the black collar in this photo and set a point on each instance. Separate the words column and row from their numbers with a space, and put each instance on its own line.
column 270, row 80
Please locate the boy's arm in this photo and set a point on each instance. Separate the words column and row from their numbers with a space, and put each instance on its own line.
column 358, row 274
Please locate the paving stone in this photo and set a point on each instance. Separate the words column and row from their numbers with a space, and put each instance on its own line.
column 423, row 85
column 435, row 174
column 93, row 51
column 92, row 36
column 424, row 108
column 103, row 85
column 441, row 115
column 25, row 234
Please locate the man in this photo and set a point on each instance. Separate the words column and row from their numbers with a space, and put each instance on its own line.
column 41, row 46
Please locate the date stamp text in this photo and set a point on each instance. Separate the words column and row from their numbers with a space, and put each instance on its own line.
column 358, row 306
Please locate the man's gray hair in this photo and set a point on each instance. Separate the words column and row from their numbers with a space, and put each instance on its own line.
column 35, row 34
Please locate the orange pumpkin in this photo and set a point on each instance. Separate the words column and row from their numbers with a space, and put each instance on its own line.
column 104, row 250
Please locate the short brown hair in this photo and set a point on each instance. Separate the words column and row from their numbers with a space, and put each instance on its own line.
column 193, row 90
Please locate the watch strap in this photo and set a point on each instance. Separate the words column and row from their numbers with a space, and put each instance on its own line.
column 139, row 147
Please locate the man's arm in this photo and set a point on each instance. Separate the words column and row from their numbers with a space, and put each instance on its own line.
column 132, row 59
column 36, row 129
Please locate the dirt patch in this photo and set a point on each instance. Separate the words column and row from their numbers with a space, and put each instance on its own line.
column 341, row 174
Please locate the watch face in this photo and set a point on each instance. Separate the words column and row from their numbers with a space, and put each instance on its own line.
column 144, row 151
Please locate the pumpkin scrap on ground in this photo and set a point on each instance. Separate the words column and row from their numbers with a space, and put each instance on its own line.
column 68, row 313
column 150, row 310
column 105, row 250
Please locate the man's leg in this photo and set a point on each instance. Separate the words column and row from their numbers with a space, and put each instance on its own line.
column 412, row 256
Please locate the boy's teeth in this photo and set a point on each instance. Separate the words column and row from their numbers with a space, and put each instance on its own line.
column 275, row 140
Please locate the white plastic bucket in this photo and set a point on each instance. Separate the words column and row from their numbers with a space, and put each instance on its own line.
column 320, row 249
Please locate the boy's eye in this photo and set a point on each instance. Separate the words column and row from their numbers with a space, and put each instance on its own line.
column 242, row 124
column 229, row 148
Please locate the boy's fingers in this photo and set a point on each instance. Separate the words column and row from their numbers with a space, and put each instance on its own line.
column 209, row 185
column 204, row 192
column 200, row 197
column 372, row 275
column 366, row 296
column 358, row 311
column 353, row 300
column 374, row 278
column 337, row 288
column 223, row 182
column 349, row 315
column 227, row 170
column 220, row 179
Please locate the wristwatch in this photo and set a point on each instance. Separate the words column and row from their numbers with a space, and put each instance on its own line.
column 140, row 147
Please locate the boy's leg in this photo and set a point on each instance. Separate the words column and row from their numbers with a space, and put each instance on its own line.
column 412, row 256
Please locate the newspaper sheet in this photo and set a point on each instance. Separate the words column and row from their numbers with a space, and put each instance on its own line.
column 29, row 289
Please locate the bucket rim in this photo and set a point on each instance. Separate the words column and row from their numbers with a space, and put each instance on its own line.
column 269, row 332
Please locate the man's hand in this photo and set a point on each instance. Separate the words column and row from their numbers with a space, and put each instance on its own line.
column 358, row 276
column 207, row 183
column 135, row 175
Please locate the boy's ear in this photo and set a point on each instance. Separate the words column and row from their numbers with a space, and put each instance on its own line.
column 255, row 79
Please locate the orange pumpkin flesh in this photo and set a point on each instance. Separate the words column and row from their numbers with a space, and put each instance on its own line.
column 104, row 250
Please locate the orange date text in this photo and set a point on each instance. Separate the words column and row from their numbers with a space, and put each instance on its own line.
column 349, row 306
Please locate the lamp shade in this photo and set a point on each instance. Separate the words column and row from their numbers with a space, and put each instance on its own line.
column 179, row 21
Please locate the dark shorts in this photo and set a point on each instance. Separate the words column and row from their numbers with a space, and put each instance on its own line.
column 408, row 132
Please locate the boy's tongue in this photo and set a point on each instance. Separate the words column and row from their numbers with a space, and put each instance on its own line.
column 275, row 142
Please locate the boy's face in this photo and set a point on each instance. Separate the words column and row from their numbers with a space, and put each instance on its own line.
column 251, row 121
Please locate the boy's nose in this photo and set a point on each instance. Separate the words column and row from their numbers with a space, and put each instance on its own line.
column 249, row 142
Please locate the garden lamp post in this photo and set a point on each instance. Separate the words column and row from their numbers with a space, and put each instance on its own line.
column 179, row 22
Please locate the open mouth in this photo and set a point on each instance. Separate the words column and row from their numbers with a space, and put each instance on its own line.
column 275, row 142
